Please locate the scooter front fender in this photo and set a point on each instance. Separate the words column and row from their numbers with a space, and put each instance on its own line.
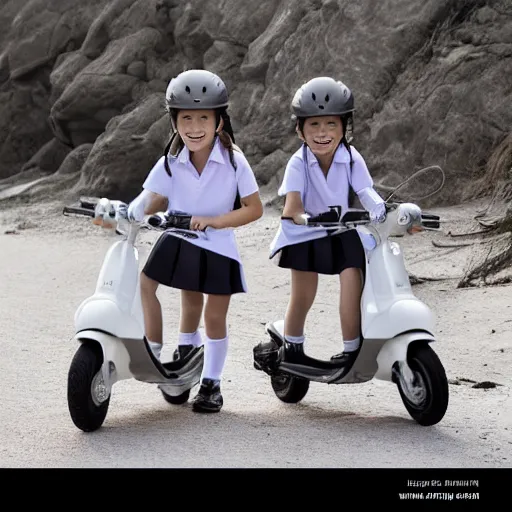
column 395, row 349
column 114, row 351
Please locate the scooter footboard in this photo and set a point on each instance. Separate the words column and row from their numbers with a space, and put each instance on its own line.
column 132, row 360
column 395, row 350
column 186, row 377
column 145, row 367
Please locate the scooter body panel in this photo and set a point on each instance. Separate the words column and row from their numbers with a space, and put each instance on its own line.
column 118, row 277
column 388, row 304
column 402, row 316
column 101, row 313
column 395, row 349
column 115, row 307
column 362, row 370
column 365, row 365
column 276, row 328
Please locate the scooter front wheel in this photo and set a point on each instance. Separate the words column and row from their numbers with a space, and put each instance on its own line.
column 289, row 389
column 426, row 396
column 87, row 399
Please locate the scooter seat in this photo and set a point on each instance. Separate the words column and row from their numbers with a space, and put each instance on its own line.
column 275, row 333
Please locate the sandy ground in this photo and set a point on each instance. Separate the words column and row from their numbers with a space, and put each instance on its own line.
column 51, row 264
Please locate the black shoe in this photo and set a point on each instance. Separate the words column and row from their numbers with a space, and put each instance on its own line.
column 265, row 347
column 182, row 351
column 266, row 355
column 345, row 357
column 209, row 397
column 294, row 353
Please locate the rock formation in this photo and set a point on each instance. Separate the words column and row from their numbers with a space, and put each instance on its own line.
column 82, row 84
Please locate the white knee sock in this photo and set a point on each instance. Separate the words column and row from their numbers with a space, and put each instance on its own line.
column 190, row 338
column 351, row 345
column 215, row 353
column 295, row 339
column 156, row 348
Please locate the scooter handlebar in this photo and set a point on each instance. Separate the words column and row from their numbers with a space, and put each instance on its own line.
column 109, row 213
column 333, row 219
column 102, row 208
column 86, row 212
column 177, row 222
column 169, row 220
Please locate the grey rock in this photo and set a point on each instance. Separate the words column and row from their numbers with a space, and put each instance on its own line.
column 431, row 80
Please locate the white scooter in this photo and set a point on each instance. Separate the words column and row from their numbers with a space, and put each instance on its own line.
column 109, row 324
column 397, row 328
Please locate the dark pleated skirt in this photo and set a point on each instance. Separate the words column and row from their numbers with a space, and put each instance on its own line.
column 329, row 255
column 177, row 263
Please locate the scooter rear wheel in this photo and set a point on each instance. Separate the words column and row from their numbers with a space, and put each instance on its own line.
column 289, row 389
column 176, row 400
column 428, row 404
column 87, row 407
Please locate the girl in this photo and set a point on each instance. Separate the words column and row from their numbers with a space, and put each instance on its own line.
column 317, row 176
column 204, row 174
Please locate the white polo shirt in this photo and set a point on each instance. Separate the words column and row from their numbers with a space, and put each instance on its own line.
column 319, row 192
column 209, row 194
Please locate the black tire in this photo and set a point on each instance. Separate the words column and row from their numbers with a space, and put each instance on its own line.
column 289, row 389
column 177, row 400
column 85, row 413
column 432, row 406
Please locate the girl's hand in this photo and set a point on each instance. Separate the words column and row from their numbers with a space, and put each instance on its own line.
column 201, row 223
column 104, row 214
column 298, row 218
column 415, row 229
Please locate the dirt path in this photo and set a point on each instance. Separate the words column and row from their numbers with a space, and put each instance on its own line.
column 51, row 265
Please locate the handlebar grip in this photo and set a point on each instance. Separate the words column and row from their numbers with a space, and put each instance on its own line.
column 356, row 216
column 431, row 224
column 430, row 216
column 89, row 202
column 178, row 221
column 86, row 212
column 154, row 221
column 430, row 220
column 330, row 216
column 165, row 221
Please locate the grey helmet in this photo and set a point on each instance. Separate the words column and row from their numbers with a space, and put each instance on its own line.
column 322, row 96
column 196, row 89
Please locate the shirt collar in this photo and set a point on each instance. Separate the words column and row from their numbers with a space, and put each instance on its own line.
column 216, row 154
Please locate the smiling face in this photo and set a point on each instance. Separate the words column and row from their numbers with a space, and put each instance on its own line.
column 197, row 128
column 323, row 134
